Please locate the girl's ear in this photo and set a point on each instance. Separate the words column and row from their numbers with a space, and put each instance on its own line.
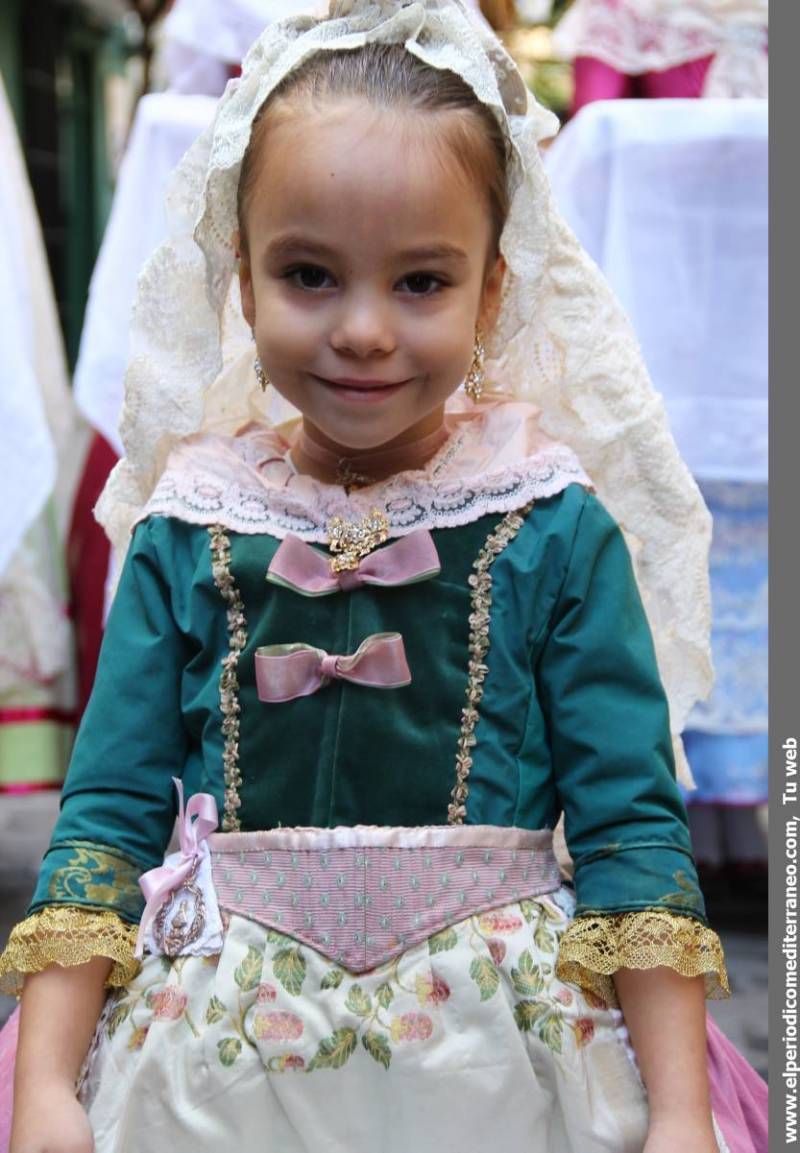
column 492, row 295
column 245, row 283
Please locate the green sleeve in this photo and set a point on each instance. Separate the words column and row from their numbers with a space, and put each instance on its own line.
column 118, row 808
column 625, row 822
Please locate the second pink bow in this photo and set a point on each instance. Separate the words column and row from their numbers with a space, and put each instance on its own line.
column 284, row 672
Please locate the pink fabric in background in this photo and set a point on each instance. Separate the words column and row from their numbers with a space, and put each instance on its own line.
column 738, row 1094
column 8, row 1051
column 596, row 80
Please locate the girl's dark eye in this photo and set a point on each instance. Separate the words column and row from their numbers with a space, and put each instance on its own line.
column 421, row 283
column 310, row 277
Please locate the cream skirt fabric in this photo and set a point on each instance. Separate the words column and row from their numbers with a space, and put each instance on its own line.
column 465, row 1042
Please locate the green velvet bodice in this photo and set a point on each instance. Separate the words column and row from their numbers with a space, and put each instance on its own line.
column 572, row 714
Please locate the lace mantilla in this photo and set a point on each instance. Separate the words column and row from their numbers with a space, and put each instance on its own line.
column 594, row 947
column 495, row 461
column 66, row 935
column 561, row 340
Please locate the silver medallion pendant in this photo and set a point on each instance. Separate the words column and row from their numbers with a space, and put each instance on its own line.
column 181, row 920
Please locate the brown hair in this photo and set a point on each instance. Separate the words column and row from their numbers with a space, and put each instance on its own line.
column 389, row 76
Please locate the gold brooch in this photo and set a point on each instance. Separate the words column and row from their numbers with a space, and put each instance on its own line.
column 351, row 542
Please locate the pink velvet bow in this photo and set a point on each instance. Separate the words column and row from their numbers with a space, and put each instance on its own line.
column 298, row 566
column 284, row 672
column 159, row 883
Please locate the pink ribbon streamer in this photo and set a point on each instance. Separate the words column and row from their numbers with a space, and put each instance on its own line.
column 195, row 823
column 304, row 569
column 284, row 672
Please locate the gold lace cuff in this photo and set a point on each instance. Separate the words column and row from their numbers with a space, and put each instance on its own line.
column 595, row 946
column 66, row 935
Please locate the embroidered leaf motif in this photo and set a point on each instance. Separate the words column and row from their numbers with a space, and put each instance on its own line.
column 378, row 1048
column 117, row 1016
column 216, row 1011
column 229, row 1049
column 359, row 1002
column 95, row 876
column 441, row 942
column 485, row 976
column 276, row 938
column 543, row 938
column 551, row 1031
column 529, row 910
column 551, row 914
column 528, row 979
column 332, row 979
column 248, row 974
column 687, row 895
column 527, row 1013
column 289, row 966
column 385, row 995
column 334, row 1051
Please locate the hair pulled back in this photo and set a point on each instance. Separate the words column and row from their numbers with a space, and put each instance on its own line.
column 390, row 77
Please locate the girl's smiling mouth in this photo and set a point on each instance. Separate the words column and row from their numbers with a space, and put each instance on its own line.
column 362, row 391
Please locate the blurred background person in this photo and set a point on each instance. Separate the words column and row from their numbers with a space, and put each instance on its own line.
column 665, row 48
column 40, row 445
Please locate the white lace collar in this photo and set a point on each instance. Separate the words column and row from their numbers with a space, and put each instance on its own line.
column 495, row 459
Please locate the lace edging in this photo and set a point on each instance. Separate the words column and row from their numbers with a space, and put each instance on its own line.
column 66, row 935
column 595, row 946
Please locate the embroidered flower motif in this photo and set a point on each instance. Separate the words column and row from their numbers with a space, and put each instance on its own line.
column 291, row 1061
column 432, row 989
column 499, row 923
column 411, row 1027
column 266, row 993
column 584, row 1031
column 497, row 949
column 169, row 1003
column 564, row 996
column 277, row 1026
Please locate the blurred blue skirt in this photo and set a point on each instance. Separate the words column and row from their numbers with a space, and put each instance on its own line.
column 726, row 736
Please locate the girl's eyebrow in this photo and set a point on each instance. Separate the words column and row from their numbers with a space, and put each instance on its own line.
column 291, row 243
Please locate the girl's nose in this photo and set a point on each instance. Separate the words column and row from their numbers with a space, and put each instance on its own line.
column 363, row 329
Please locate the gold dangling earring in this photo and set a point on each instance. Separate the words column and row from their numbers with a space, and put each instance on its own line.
column 476, row 379
column 261, row 376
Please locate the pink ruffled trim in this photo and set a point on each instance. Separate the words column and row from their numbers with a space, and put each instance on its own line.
column 495, row 459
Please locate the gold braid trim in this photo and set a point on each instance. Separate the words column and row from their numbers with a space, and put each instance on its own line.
column 595, row 946
column 65, row 935
column 229, row 681
column 480, row 581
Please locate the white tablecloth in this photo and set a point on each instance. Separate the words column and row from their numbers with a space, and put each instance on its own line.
column 670, row 199
column 166, row 125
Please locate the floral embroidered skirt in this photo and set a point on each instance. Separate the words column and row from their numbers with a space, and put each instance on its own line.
column 466, row 1041
column 375, row 990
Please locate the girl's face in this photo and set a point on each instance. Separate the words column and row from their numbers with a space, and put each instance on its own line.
column 366, row 270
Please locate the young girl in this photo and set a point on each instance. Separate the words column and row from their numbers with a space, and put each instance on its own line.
column 381, row 647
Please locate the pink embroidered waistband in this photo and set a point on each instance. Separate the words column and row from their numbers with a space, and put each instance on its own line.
column 364, row 895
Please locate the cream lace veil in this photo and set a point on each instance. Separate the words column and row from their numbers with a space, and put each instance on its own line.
column 562, row 341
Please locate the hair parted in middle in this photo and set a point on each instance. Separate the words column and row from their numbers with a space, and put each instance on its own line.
column 387, row 76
